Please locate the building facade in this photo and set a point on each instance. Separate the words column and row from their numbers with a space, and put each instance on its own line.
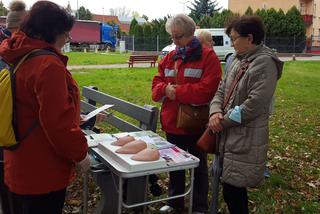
column 310, row 10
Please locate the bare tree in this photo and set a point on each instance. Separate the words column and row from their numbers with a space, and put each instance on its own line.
column 120, row 11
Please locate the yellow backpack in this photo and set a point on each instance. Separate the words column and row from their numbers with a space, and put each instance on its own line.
column 9, row 138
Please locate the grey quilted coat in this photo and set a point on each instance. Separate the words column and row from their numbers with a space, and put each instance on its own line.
column 244, row 145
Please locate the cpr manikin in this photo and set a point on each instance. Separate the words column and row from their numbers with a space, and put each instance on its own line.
column 123, row 141
column 137, row 147
column 132, row 147
column 148, row 154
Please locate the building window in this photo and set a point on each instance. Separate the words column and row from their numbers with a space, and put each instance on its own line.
column 264, row 6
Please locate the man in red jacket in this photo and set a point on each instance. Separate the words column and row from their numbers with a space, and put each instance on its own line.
column 188, row 75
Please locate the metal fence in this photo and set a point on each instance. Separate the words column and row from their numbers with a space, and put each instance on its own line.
column 145, row 43
column 281, row 44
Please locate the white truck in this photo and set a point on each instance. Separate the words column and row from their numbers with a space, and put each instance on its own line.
column 223, row 45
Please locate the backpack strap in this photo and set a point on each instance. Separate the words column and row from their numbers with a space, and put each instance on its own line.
column 35, row 124
column 31, row 54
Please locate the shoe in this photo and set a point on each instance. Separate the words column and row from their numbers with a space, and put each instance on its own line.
column 166, row 209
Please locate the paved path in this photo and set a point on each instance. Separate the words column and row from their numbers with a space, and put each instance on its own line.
column 147, row 65
column 138, row 65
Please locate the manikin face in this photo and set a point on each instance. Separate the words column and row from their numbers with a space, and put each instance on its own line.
column 179, row 38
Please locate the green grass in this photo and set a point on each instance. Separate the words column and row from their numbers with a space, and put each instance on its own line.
column 293, row 157
column 101, row 58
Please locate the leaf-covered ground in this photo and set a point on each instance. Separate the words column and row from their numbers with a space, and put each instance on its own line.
column 293, row 157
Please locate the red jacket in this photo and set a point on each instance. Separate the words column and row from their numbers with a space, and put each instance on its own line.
column 47, row 93
column 197, row 83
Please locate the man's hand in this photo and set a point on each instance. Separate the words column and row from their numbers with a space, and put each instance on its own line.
column 215, row 122
column 171, row 91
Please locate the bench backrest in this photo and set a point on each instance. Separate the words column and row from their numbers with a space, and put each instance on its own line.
column 143, row 58
column 147, row 116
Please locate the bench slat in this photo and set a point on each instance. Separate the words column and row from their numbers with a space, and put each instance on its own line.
column 113, row 120
column 137, row 112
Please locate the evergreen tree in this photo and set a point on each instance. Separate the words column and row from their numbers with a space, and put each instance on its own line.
column 220, row 20
column 201, row 8
column 147, row 30
column 205, row 22
column 132, row 26
column 138, row 37
column 295, row 24
column 3, row 10
column 249, row 11
column 84, row 14
column 275, row 23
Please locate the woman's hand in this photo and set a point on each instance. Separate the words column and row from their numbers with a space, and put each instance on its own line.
column 82, row 121
column 215, row 122
column 101, row 117
column 171, row 91
column 84, row 165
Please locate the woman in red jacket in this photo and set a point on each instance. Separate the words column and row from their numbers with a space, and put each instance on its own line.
column 188, row 75
column 40, row 169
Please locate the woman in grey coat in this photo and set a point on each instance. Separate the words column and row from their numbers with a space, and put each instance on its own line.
column 243, row 123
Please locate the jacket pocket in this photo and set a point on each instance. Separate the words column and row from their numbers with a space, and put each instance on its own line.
column 237, row 141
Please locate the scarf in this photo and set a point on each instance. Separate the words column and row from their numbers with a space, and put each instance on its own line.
column 190, row 52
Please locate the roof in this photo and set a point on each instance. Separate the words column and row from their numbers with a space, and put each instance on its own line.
column 127, row 20
column 105, row 18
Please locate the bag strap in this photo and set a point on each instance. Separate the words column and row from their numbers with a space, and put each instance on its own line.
column 243, row 68
column 31, row 54
column 35, row 124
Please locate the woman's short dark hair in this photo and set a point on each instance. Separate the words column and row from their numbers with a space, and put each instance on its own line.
column 46, row 20
column 246, row 25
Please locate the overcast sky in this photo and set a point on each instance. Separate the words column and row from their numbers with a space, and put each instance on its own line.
column 152, row 8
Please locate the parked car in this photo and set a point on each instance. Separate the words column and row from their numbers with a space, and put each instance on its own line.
column 223, row 46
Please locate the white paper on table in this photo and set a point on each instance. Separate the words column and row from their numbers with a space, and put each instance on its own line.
column 97, row 111
column 94, row 139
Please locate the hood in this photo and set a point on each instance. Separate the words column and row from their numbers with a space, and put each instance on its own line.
column 14, row 48
column 264, row 50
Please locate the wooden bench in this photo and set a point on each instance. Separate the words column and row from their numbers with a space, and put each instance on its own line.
column 146, row 118
column 143, row 59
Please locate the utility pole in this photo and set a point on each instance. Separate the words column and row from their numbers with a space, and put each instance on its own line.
column 102, row 14
column 77, row 10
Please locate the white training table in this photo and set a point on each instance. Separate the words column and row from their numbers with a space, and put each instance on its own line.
column 123, row 173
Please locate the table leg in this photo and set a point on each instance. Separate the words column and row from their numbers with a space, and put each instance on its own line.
column 120, row 191
column 146, row 194
column 85, row 193
column 191, row 190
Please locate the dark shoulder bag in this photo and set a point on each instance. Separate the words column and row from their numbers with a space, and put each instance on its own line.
column 207, row 142
column 191, row 117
